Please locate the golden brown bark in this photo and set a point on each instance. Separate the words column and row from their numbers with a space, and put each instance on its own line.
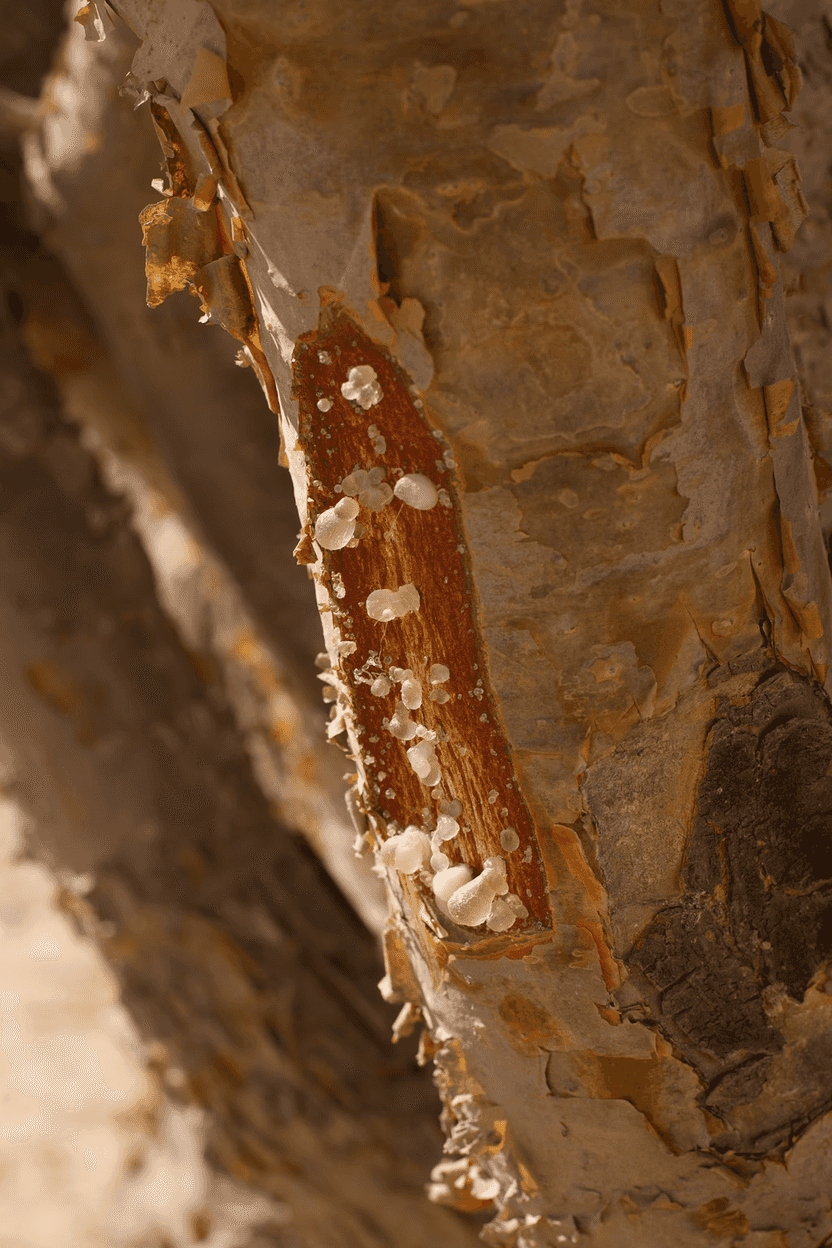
column 535, row 256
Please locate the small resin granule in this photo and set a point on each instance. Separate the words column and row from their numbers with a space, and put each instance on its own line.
column 362, row 386
column 453, row 809
column 368, row 487
column 324, row 405
column 380, row 687
column 470, row 905
column 362, row 479
column 376, row 497
column 408, row 851
column 504, row 913
column 439, row 861
column 445, row 883
column 401, row 725
column 378, row 440
column 417, row 491
column 354, row 482
column 509, row 840
column 335, row 528
column 422, row 758
column 412, row 693
column 446, row 828
column 387, row 604
column 439, row 673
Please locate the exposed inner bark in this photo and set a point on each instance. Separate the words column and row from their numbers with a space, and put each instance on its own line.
column 403, row 545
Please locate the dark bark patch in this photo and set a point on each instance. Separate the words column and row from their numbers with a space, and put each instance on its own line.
column 756, row 915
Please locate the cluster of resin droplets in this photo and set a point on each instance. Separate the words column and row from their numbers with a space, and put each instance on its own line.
column 467, row 900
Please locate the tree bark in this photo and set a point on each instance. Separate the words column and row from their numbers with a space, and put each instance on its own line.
column 251, row 978
column 534, row 257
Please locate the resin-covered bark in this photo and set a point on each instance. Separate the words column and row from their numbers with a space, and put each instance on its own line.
column 548, row 239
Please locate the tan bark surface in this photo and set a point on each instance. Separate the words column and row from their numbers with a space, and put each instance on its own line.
column 551, row 240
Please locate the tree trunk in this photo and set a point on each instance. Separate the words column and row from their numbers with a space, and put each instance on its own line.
column 510, row 279
column 233, row 948
column 251, row 979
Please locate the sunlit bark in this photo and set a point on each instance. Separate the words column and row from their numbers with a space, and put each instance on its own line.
column 533, row 255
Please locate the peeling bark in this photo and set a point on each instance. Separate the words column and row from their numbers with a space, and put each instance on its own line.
column 535, row 257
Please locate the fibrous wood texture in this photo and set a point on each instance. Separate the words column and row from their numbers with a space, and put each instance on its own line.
column 548, row 238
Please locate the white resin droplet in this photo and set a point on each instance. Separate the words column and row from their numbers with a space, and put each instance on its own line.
column 439, row 673
column 347, row 509
column 512, row 900
column 375, row 497
column 470, row 905
column 422, row 758
column 417, row 491
column 362, row 386
column 509, row 840
column 445, row 883
column 355, row 482
column 446, row 828
column 500, row 917
column 433, row 777
column 380, row 687
column 401, row 725
column 439, row 695
column 324, row 405
column 335, row 528
column 412, row 850
column 391, row 604
column 412, row 693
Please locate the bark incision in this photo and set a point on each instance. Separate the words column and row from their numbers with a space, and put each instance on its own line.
column 755, row 919
column 402, row 545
